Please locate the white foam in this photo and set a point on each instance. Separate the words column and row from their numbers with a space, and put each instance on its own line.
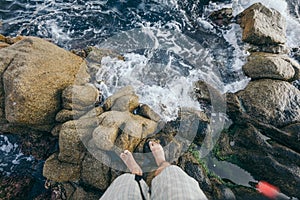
column 164, row 95
column 7, row 146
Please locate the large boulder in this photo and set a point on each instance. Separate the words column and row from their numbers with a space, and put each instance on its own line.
column 34, row 74
column 262, row 26
column 271, row 102
column 265, row 65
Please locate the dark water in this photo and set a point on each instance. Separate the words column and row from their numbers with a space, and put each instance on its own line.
column 80, row 23
column 75, row 24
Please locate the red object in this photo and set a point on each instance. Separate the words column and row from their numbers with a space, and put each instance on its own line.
column 267, row 189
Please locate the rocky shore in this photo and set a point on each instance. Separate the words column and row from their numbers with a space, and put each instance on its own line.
column 48, row 96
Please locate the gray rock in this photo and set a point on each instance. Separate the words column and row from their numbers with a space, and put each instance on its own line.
column 265, row 65
column 271, row 102
column 60, row 172
column 275, row 48
column 265, row 158
column 262, row 26
column 34, row 100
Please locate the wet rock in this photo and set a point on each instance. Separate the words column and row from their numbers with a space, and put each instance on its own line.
column 209, row 96
column 192, row 167
column 145, row 111
column 275, row 49
column 194, row 125
column 293, row 129
column 264, row 65
column 271, row 102
column 241, row 192
column 222, row 17
column 59, row 171
column 95, row 173
column 34, row 100
column 262, row 26
column 38, row 144
column 15, row 187
column 122, row 93
column 84, row 95
column 264, row 159
column 94, row 57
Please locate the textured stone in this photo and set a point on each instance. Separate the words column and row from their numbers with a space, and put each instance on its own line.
column 95, row 173
column 124, row 129
column 271, row 102
column 125, row 91
column 266, row 65
column 71, row 137
column 66, row 115
column 126, row 103
column 104, row 137
column 71, row 149
column 145, row 111
column 294, row 130
column 33, row 84
column 84, row 95
column 262, row 26
column 59, row 171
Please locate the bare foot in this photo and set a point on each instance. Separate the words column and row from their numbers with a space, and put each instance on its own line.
column 129, row 161
column 159, row 155
column 158, row 152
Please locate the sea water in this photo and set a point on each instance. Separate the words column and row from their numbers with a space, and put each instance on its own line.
column 167, row 45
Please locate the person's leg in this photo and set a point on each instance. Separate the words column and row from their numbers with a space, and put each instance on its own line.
column 126, row 186
column 171, row 182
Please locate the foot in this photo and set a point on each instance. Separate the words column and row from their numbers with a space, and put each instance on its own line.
column 158, row 152
column 159, row 155
column 129, row 161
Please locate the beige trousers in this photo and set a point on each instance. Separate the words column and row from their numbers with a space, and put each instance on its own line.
column 172, row 183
